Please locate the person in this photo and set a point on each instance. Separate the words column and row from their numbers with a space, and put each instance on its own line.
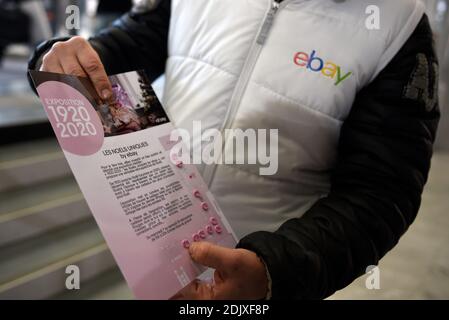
column 356, row 110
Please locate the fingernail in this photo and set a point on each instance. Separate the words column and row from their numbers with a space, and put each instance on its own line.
column 105, row 94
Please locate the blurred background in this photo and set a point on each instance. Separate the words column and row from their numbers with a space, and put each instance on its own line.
column 45, row 224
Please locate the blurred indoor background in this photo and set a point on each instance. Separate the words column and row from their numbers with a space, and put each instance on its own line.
column 45, row 224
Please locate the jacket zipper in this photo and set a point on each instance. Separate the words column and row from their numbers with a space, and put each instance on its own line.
column 243, row 79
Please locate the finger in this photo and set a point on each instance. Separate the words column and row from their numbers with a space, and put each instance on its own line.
column 211, row 255
column 188, row 292
column 50, row 63
column 204, row 291
column 71, row 65
column 225, row 291
column 63, row 52
column 196, row 290
column 92, row 65
column 184, row 292
column 218, row 277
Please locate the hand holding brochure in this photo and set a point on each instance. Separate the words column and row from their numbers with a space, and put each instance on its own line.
column 149, row 205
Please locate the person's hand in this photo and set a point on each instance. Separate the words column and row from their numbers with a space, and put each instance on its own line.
column 77, row 57
column 239, row 274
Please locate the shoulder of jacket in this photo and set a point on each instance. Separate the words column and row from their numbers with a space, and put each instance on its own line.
column 393, row 15
column 398, row 19
column 397, row 15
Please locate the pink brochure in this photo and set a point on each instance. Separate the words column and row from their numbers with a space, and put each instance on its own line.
column 149, row 205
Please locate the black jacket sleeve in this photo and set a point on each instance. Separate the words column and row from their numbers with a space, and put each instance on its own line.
column 137, row 40
column 383, row 161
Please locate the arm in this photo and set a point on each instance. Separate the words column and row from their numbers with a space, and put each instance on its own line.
column 384, row 157
column 138, row 40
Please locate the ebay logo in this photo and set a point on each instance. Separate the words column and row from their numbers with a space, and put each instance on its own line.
column 328, row 69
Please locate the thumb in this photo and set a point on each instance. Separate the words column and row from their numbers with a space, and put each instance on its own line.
column 211, row 255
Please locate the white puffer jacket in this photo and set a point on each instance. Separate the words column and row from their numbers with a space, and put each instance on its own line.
column 218, row 72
